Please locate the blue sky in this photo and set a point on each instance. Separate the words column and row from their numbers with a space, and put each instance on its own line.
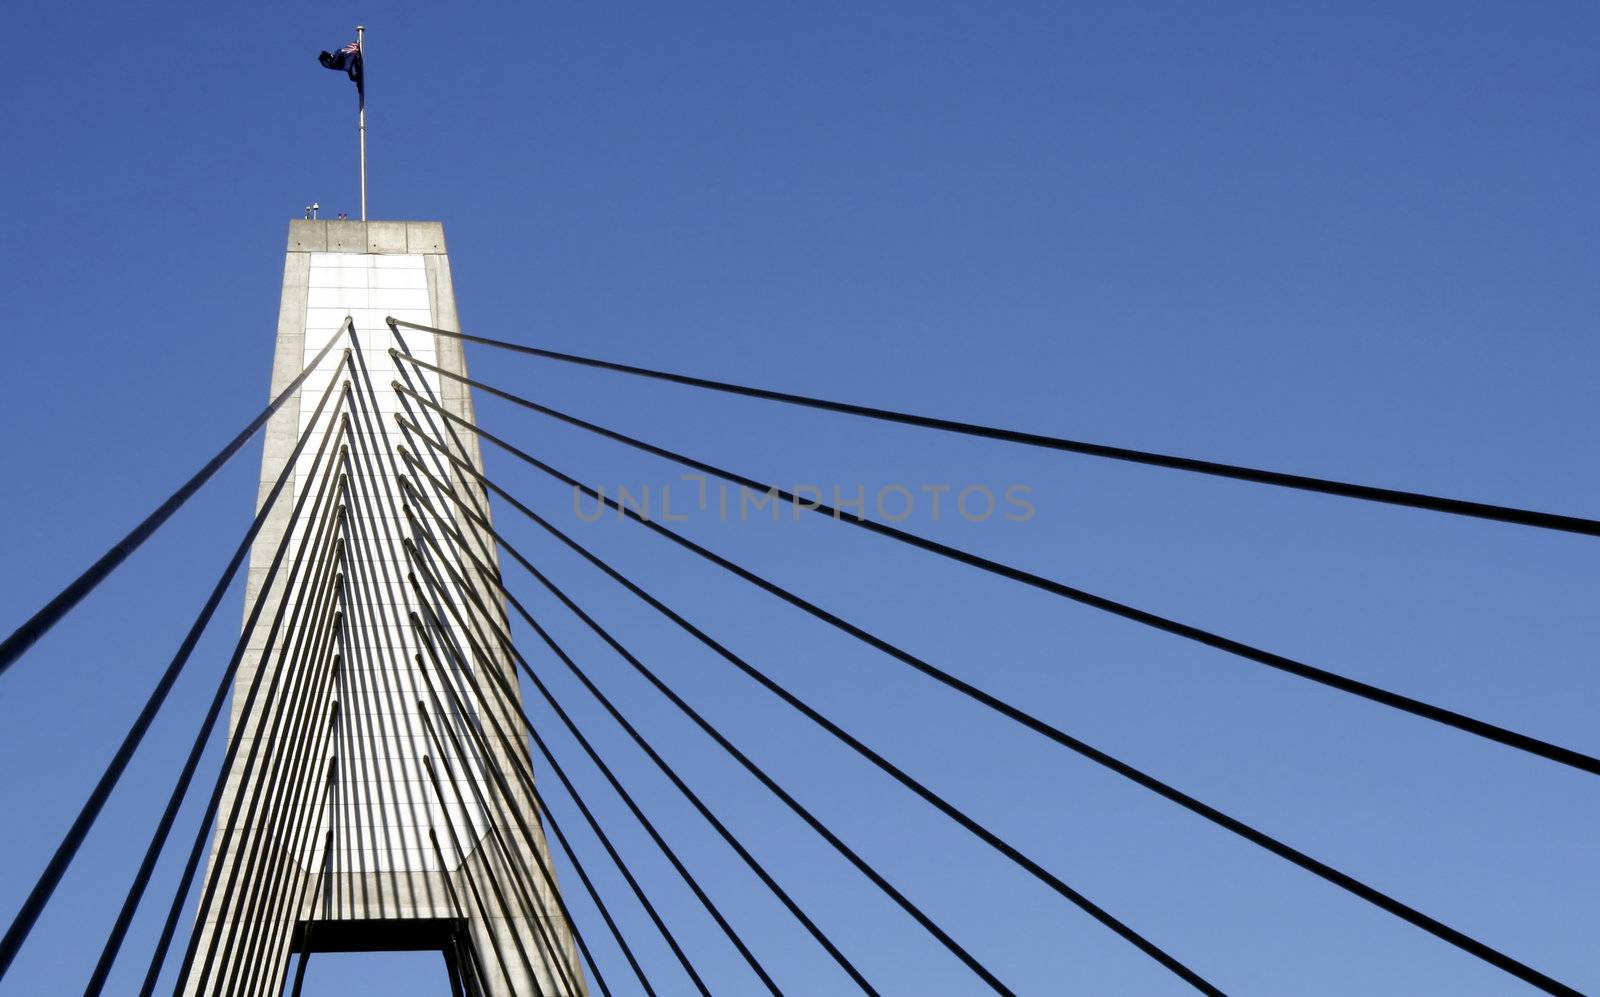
column 1351, row 240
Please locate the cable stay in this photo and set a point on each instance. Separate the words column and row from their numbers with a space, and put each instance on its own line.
column 432, row 664
column 1283, row 663
column 459, row 547
column 578, row 801
column 1325, row 486
column 529, row 897
column 502, row 637
column 1378, row 898
column 1088, row 906
column 24, row 637
column 542, row 811
column 42, row 890
column 175, row 800
column 388, row 660
column 655, row 835
column 319, row 626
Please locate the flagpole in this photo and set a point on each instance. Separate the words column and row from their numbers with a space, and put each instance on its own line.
column 361, row 47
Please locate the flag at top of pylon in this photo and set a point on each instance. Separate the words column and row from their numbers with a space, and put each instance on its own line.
column 347, row 59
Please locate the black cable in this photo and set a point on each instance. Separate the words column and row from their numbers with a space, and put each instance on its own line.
column 505, row 790
column 40, row 623
column 197, row 849
column 998, row 705
column 288, row 789
column 323, row 890
column 293, row 791
column 504, row 639
column 300, row 974
column 164, row 942
column 473, row 979
column 507, row 852
column 463, row 948
column 511, row 803
column 1428, row 711
column 291, row 729
column 494, row 884
column 175, row 800
column 299, row 889
column 1374, row 896
column 962, row 818
column 639, row 815
column 381, row 617
column 380, row 626
column 377, row 442
column 485, row 918
column 644, row 745
column 287, row 889
column 449, row 885
column 469, row 720
column 225, row 834
column 504, row 787
column 305, row 943
column 451, row 969
column 237, row 867
column 649, row 826
column 227, row 828
column 591, row 820
column 539, row 920
column 379, row 654
column 33, row 905
column 380, row 445
column 1369, row 493
column 236, row 957
column 650, row 829
column 276, row 836
column 938, row 802
column 475, row 491
column 466, row 978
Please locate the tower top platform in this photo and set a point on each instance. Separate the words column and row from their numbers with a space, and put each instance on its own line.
column 323, row 235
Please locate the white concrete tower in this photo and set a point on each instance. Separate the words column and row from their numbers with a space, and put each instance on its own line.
column 378, row 793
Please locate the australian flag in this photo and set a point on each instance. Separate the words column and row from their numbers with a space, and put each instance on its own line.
column 347, row 59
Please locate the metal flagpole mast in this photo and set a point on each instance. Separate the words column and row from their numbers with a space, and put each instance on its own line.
column 361, row 48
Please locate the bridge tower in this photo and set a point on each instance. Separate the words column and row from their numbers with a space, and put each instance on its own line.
column 379, row 792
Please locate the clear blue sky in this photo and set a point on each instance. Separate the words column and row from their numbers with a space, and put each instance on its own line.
column 1354, row 240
